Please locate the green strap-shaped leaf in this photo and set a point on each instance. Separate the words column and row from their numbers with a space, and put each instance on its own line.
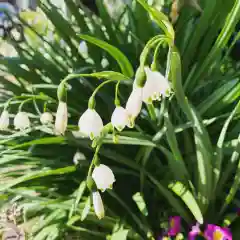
column 80, row 192
column 172, row 140
column 222, row 40
column 236, row 182
column 219, row 151
column 86, row 209
column 122, row 60
column 37, row 174
column 216, row 96
column 139, row 200
column 188, row 199
column 120, row 235
column 160, row 19
column 202, row 141
column 231, row 165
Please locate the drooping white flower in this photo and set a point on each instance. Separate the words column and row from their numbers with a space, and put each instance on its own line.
column 98, row 205
column 103, row 177
column 156, row 86
column 4, row 120
column 119, row 118
column 46, row 118
column 21, row 121
column 134, row 104
column 90, row 123
column 61, row 118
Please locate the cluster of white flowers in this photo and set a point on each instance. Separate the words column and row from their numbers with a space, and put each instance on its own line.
column 156, row 86
column 91, row 125
column 104, row 179
column 21, row 120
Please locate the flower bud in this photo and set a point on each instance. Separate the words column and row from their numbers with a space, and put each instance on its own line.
column 134, row 103
column 103, row 177
column 61, row 118
column 119, row 118
column 140, row 77
column 90, row 123
column 21, row 121
column 98, row 205
column 4, row 120
column 46, row 118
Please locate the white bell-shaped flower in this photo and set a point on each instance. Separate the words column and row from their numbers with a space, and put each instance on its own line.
column 156, row 86
column 134, row 104
column 103, row 177
column 98, row 205
column 21, row 121
column 46, row 118
column 90, row 123
column 61, row 120
column 119, row 118
column 4, row 120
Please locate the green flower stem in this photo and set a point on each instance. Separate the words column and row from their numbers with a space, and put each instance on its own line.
column 23, row 102
column 92, row 163
column 150, row 44
column 28, row 96
column 155, row 55
column 91, row 102
column 117, row 101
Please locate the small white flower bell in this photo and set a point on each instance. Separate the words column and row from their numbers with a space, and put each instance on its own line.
column 21, row 121
column 156, row 86
column 98, row 205
column 90, row 123
column 119, row 118
column 61, row 118
column 134, row 104
column 4, row 120
column 103, row 177
column 46, row 118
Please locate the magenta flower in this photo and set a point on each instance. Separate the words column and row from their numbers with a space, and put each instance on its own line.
column 194, row 232
column 174, row 226
column 214, row 232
